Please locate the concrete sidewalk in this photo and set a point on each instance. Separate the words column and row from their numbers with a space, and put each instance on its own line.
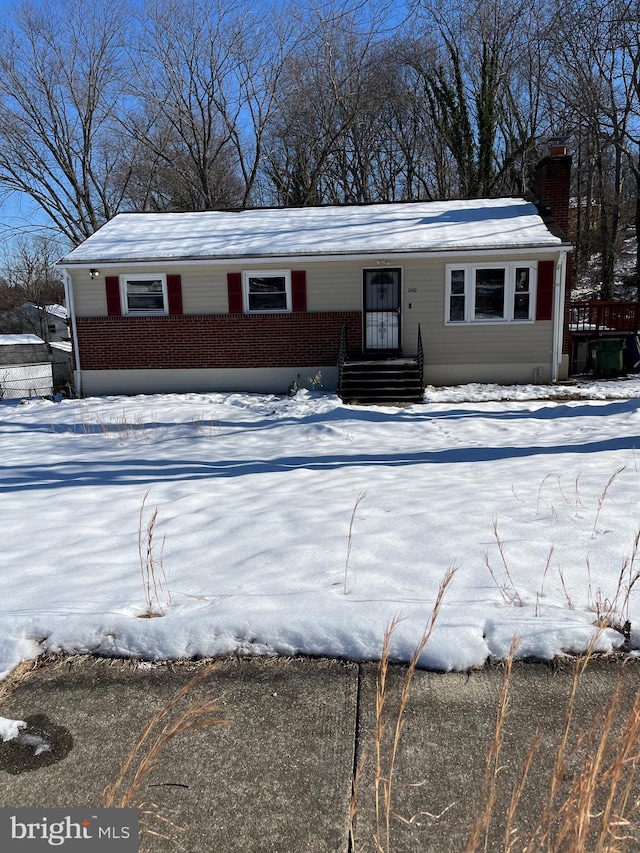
column 279, row 776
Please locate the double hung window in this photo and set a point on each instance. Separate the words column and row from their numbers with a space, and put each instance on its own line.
column 144, row 293
column 267, row 292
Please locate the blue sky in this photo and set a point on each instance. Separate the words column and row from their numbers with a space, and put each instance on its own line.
column 20, row 215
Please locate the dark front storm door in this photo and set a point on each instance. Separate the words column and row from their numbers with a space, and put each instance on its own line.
column 382, row 311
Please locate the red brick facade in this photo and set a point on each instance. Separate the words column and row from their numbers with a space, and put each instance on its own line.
column 215, row 341
column 553, row 186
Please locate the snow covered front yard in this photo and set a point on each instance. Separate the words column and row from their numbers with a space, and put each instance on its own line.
column 536, row 502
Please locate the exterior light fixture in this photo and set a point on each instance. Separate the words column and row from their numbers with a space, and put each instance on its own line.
column 94, row 274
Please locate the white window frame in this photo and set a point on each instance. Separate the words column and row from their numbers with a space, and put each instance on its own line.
column 509, row 292
column 249, row 274
column 143, row 312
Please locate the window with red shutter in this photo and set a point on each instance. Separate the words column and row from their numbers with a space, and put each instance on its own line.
column 269, row 291
column 144, row 294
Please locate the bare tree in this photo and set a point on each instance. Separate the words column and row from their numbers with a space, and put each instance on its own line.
column 30, row 282
column 597, row 80
column 197, row 104
column 630, row 47
column 482, row 86
column 259, row 50
column 61, row 94
column 317, row 105
column 325, row 143
column 182, row 62
column 206, row 76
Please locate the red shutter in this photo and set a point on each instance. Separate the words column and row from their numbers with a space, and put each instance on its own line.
column 234, row 288
column 544, row 302
column 112, row 287
column 298, row 290
column 174, row 292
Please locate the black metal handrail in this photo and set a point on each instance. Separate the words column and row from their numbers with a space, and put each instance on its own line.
column 342, row 354
column 420, row 359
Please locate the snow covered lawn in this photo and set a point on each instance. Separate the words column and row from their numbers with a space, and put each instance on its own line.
column 536, row 502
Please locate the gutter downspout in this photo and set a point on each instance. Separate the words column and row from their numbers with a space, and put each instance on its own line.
column 68, row 292
column 558, row 310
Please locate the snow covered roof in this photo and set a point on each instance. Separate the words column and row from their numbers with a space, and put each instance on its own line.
column 58, row 311
column 482, row 224
column 13, row 340
column 55, row 310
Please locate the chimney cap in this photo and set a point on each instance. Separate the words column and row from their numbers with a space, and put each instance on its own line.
column 557, row 146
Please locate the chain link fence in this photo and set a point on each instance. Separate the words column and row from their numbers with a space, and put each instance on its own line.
column 25, row 380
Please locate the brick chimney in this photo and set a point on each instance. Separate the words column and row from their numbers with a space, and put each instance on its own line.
column 552, row 183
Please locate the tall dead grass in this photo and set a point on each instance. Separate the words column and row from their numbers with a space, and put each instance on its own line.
column 347, row 567
column 592, row 795
column 152, row 569
column 168, row 723
column 16, row 678
column 590, row 785
column 386, row 750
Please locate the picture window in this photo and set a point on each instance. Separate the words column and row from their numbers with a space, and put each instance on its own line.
column 490, row 293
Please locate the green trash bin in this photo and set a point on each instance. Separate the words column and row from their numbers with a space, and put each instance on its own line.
column 607, row 356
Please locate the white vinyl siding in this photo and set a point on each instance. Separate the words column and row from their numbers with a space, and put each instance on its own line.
column 468, row 352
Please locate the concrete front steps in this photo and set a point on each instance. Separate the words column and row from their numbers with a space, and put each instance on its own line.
column 396, row 380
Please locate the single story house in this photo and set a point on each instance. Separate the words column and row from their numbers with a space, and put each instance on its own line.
column 257, row 299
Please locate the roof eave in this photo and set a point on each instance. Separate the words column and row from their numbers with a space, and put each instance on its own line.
column 308, row 257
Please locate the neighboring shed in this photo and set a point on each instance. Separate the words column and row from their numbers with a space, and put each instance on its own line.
column 256, row 300
column 25, row 369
